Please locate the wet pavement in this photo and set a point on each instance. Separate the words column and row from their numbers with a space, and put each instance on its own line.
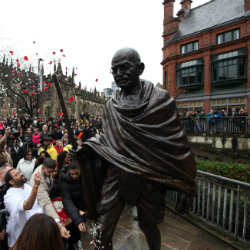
column 176, row 234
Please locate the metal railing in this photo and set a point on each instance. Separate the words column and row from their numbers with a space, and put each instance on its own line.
column 221, row 202
column 226, row 125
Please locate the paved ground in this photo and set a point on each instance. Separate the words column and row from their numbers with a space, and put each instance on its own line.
column 176, row 232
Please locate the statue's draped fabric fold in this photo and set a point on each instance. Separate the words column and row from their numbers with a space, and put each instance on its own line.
column 145, row 137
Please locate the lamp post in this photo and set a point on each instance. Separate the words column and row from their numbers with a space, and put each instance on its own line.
column 38, row 85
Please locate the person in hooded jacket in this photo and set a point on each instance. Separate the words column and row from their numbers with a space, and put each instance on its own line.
column 72, row 195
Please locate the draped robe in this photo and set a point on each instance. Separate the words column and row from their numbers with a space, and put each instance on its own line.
column 146, row 138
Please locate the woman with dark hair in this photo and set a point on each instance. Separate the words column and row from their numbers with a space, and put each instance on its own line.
column 40, row 232
column 26, row 165
column 43, row 155
column 63, row 159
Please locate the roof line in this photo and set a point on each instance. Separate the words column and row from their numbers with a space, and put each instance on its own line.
column 210, row 28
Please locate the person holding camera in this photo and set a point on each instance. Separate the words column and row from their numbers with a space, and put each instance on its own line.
column 4, row 155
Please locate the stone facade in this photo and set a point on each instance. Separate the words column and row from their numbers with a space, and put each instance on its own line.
column 48, row 101
column 84, row 100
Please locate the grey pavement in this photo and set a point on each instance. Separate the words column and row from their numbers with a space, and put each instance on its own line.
column 176, row 234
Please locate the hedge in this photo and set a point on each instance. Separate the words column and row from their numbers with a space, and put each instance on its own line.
column 237, row 171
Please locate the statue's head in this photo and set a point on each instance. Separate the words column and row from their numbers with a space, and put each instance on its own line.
column 126, row 67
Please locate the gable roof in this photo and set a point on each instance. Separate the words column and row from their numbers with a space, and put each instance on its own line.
column 209, row 15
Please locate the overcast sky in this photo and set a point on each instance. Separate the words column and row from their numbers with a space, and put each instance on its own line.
column 88, row 31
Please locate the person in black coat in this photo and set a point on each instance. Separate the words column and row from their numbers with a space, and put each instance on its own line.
column 86, row 129
column 72, row 195
column 75, row 130
column 17, row 151
column 58, row 134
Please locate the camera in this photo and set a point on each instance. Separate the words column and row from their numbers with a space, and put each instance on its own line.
column 14, row 131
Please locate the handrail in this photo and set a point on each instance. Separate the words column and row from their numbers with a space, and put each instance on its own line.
column 225, row 178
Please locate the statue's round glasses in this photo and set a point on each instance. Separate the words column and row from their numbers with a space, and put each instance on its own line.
column 122, row 67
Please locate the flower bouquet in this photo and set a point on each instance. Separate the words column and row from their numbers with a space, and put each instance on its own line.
column 58, row 205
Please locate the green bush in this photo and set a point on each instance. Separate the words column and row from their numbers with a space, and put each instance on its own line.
column 236, row 171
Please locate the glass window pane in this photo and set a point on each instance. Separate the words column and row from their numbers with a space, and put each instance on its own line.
column 218, row 101
column 242, row 100
column 222, row 73
column 242, row 72
column 230, row 62
column 191, row 104
column 214, row 75
column 220, row 64
column 214, row 102
column 184, row 79
column 189, row 47
column 183, row 49
column 228, row 36
column 196, row 46
column 225, row 63
column 235, row 61
column 192, row 78
column 224, row 101
column 237, row 100
column 232, row 72
column 220, row 39
column 178, row 81
column 231, row 101
column 199, row 78
column 236, row 34
column 200, row 103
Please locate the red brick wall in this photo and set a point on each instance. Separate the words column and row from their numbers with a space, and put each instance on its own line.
column 206, row 106
column 247, row 5
column 207, row 47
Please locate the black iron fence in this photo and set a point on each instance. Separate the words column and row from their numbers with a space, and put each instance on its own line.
column 227, row 125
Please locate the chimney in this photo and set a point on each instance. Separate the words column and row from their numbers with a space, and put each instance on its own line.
column 170, row 23
column 186, row 4
column 247, row 5
column 185, row 8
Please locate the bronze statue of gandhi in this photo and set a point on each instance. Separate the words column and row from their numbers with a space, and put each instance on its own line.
column 141, row 152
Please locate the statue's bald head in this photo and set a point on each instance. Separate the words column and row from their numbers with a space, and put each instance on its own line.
column 128, row 53
column 126, row 67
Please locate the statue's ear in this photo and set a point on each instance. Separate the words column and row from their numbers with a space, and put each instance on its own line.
column 141, row 68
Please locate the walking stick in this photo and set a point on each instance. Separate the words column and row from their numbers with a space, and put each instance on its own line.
column 87, row 175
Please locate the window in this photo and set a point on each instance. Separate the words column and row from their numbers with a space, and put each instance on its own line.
column 228, row 36
column 190, row 73
column 229, row 66
column 189, row 47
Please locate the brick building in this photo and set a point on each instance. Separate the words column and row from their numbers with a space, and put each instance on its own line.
column 206, row 54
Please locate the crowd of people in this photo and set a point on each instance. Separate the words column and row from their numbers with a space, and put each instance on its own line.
column 35, row 168
column 215, row 121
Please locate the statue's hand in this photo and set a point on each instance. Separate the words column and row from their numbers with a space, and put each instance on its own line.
column 74, row 153
column 80, row 151
column 184, row 202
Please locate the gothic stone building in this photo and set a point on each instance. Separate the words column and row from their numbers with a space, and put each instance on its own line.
column 206, row 54
column 84, row 100
column 48, row 102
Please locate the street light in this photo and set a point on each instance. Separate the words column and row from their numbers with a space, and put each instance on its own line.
column 38, row 85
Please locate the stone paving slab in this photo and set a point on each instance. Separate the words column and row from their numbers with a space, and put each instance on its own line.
column 176, row 233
